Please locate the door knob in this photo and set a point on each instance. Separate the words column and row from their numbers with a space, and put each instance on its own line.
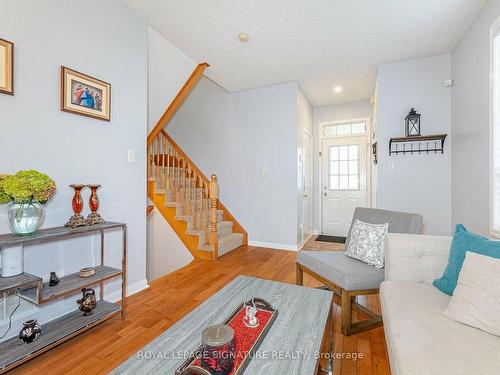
column 324, row 194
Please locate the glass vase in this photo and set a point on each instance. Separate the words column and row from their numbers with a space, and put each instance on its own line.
column 25, row 218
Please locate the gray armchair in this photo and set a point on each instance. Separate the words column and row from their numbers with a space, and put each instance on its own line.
column 349, row 277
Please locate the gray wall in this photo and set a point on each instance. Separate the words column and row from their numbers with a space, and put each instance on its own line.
column 236, row 136
column 105, row 40
column 470, row 116
column 415, row 183
column 337, row 112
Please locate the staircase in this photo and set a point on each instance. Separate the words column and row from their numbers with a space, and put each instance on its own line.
column 189, row 201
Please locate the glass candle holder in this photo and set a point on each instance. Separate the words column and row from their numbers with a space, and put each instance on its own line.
column 218, row 349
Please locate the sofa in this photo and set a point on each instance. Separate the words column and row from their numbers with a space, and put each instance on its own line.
column 420, row 339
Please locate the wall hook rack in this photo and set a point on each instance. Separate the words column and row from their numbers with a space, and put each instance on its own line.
column 417, row 144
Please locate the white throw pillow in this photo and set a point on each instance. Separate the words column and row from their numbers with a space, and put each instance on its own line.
column 367, row 243
column 476, row 299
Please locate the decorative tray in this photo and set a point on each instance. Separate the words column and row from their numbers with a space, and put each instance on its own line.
column 246, row 340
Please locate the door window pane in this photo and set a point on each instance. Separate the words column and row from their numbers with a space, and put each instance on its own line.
column 334, row 153
column 344, row 129
column 343, row 152
column 353, row 167
column 334, row 182
column 344, row 182
column 344, row 167
column 358, row 128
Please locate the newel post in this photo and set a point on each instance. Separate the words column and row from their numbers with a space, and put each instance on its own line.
column 214, row 197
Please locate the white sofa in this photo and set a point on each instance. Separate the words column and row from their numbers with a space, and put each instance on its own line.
column 420, row 339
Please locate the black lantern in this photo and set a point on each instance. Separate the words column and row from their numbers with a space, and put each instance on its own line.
column 412, row 122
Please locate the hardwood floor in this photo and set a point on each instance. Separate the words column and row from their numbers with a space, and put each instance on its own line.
column 150, row 312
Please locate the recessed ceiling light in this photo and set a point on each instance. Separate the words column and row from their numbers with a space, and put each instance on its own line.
column 338, row 89
column 243, row 38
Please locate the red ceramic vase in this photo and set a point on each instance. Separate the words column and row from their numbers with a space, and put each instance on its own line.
column 77, row 202
column 94, row 199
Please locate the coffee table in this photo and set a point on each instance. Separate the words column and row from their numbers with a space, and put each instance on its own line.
column 299, row 330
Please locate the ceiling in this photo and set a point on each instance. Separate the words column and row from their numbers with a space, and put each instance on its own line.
column 319, row 43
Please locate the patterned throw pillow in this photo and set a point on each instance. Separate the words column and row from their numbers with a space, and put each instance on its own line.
column 367, row 243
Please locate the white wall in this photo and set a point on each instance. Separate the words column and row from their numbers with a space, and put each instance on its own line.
column 235, row 136
column 105, row 40
column 166, row 252
column 337, row 112
column 418, row 183
column 305, row 124
column 470, row 104
column 168, row 70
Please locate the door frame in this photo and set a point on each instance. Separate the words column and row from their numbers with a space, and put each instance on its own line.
column 368, row 137
column 306, row 133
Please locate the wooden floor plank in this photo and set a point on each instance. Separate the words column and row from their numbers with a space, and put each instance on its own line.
column 152, row 311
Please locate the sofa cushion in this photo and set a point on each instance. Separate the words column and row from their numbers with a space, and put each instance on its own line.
column 422, row 341
column 348, row 273
column 476, row 300
column 464, row 241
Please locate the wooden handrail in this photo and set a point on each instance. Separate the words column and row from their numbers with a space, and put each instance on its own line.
column 178, row 101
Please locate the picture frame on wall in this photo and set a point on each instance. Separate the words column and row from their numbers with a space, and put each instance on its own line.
column 84, row 95
column 6, row 67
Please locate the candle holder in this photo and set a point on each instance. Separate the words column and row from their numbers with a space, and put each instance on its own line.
column 77, row 220
column 218, row 349
column 94, row 217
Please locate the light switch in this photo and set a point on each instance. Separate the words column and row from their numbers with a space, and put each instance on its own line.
column 391, row 166
column 131, row 156
column 265, row 169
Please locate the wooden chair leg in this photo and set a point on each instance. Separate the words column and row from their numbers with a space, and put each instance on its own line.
column 299, row 275
column 346, row 311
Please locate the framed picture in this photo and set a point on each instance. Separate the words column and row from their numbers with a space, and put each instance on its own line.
column 85, row 95
column 6, row 67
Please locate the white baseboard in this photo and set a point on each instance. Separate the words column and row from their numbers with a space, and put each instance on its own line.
column 131, row 289
column 271, row 245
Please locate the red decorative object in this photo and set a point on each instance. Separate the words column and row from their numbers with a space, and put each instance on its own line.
column 77, row 204
column 246, row 339
column 94, row 217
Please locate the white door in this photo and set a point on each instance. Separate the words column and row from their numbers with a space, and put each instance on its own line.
column 307, row 186
column 344, row 182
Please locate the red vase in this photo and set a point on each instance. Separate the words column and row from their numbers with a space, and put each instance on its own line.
column 77, row 204
column 94, row 199
column 94, row 217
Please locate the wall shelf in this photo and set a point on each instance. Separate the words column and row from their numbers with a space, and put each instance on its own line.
column 417, row 144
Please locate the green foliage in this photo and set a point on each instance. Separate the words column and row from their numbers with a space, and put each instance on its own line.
column 26, row 186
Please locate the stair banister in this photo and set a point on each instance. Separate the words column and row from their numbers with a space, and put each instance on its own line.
column 214, row 197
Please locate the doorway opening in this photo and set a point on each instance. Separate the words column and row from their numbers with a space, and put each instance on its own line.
column 344, row 173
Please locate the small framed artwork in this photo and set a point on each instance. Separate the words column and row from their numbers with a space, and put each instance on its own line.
column 85, row 95
column 6, row 67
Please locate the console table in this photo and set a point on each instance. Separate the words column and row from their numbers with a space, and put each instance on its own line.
column 32, row 288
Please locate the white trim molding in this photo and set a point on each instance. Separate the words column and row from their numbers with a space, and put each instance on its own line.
column 131, row 289
column 277, row 246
